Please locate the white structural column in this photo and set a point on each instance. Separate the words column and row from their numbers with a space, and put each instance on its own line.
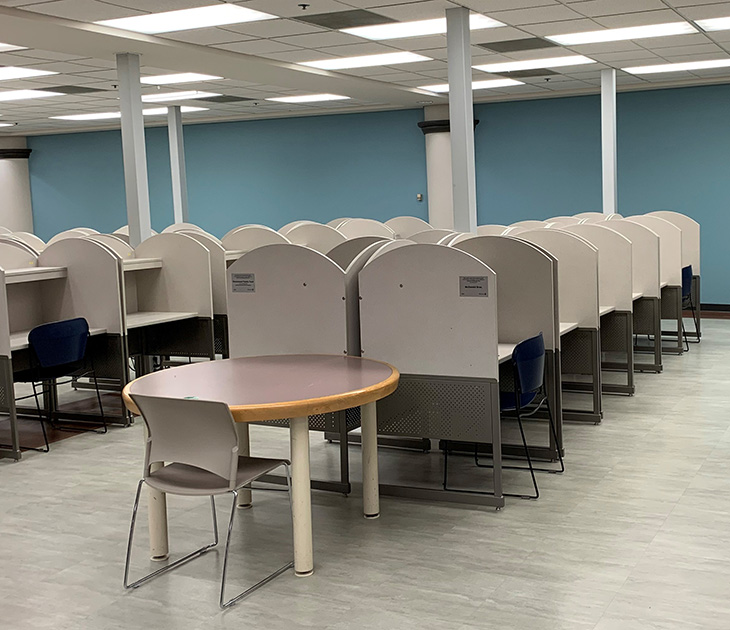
column 16, row 212
column 177, row 165
column 133, row 149
column 608, row 140
column 435, row 127
column 461, row 115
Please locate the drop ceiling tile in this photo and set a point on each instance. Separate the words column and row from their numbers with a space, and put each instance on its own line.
column 207, row 36
column 424, row 10
column 160, row 5
column 638, row 19
column 47, row 55
column 655, row 43
column 536, row 15
column 418, row 43
column 299, row 55
column 290, row 8
column 82, row 10
column 626, row 56
column 597, row 8
column 709, row 50
column 485, row 6
column 704, row 11
column 608, row 47
column 442, row 54
column 352, row 50
column 258, row 47
column 64, row 67
column 561, row 27
column 501, row 34
column 320, row 40
column 273, row 28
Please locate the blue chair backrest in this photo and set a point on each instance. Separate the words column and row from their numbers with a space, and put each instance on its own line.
column 60, row 343
column 686, row 281
column 529, row 360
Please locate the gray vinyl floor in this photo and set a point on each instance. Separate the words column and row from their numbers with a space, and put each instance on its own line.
column 635, row 535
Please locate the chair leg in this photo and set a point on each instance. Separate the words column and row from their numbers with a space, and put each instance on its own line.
column 555, row 437
column 222, row 600
column 529, row 459
column 101, row 407
column 191, row 556
column 695, row 319
column 43, row 422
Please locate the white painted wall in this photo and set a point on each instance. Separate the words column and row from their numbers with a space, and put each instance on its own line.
column 16, row 211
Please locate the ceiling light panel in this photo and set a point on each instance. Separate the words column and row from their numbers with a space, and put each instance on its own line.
column 475, row 85
column 621, row 34
column 21, row 95
column 187, row 19
column 181, row 77
column 309, row 98
column 10, row 47
column 714, row 24
column 156, row 111
column 8, row 73
column 419, row 28
column 532, row 64
column 366, row 61
column 176, row 96
column 679, row 67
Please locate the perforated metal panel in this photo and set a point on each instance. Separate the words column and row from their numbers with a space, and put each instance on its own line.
column 671, row 304
column 186, row 338
column 327, row 422
column 575, row 354
column 220, row 335
column 645, row 316
column 613, row 332
column 446, row 408
column 6, row 385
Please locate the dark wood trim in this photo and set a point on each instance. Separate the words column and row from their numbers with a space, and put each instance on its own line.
column 437, row 126
column 15, row 154
column 722, row 308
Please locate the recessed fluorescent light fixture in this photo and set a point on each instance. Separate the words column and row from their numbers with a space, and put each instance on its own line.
column 533, row 64
column 181, row 77
column 155, row 111
column 187, row 19
column 8, row 73
column 365, row 61
column 712, row 24
column 678, row 67
column 309, row 98
column 475, row 85
column 419, row 28
column 176, row 96
column 20, row 95
column 10, row 47
column 619, row 34
column 162, row 111
column 7, row 124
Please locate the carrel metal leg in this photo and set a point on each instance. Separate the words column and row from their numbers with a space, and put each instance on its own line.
column 617, row 336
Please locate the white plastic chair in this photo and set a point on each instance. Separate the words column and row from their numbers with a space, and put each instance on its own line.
column 198, row 443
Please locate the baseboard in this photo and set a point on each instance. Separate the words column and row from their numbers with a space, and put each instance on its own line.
column 722, row 308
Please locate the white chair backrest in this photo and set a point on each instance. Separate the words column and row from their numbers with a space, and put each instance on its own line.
column 198, row 433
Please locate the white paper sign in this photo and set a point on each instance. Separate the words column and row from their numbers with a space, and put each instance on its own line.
column 473, row 286
column 243, row 283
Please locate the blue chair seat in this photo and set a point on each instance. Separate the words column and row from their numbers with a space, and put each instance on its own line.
column 508, row 400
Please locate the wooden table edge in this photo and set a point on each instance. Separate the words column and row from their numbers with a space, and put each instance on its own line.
column 297, row 408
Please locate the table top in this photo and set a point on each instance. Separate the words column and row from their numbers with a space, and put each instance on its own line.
column 504, row 351
column 273, row 387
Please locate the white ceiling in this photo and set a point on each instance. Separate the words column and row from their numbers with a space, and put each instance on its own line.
column 84, row 56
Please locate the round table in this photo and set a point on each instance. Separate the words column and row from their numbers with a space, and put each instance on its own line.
column 274, row 388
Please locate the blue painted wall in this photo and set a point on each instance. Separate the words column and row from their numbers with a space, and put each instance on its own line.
column 268, row 171
column 535, row 159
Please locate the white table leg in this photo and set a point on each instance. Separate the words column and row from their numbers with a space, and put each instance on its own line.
column 244, row 449
column 370, row 481
column 157, row 502
column 301, row 496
